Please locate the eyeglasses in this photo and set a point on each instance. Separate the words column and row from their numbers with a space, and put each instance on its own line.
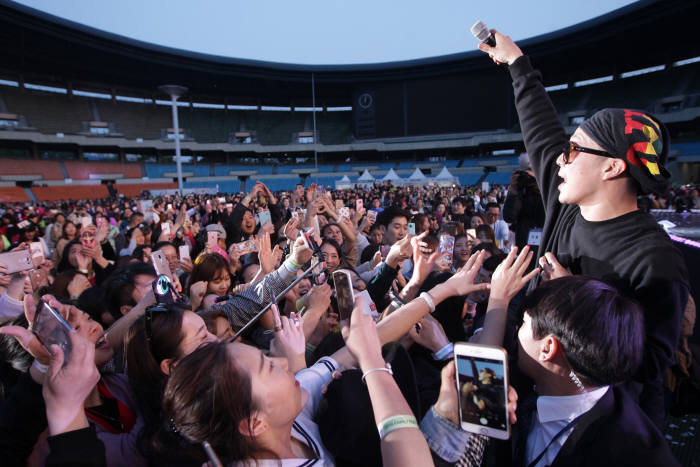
column 570, row 147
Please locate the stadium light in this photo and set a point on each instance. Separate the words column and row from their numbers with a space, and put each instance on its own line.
column 175, row 91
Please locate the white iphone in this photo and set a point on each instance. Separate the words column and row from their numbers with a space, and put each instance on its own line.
column 482, row 386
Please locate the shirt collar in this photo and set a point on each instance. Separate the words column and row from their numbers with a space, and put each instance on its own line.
column 553, row 408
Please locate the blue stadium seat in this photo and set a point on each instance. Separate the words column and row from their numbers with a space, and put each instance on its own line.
column 157, row 170
column 468, row 179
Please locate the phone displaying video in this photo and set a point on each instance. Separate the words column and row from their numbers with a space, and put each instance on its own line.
column 51, row 329
column 344, row 293
column 447, row 245
column 482, row 385
column 411, row 228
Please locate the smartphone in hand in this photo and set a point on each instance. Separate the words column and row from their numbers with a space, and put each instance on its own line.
column 265, row 217
column 50, row 328
column 17, row 261
column 482, row 387
column 344, row 293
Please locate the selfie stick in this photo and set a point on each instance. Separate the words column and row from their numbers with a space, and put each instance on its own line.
column 249, row 324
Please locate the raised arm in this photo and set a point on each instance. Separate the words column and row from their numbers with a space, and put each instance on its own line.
column 543, row 133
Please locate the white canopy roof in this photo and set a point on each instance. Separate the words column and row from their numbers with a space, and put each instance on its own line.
column 391, row 176
column 366, row 177
column 417, row 175
column 444, row 174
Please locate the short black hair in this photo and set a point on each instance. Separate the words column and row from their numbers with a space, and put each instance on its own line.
column 387, row 215
column 460, row 200
column 119, row 286
column 601, row 331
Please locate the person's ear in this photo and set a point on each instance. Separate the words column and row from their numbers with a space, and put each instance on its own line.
column 549, row 348
column 124, row 309
column 253, row 426
column 166, row 366
column 614, row 168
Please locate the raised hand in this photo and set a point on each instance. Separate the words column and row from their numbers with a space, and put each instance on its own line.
column 431, row 336
column 462, row 282
column 66, row 388
column 506, row 51
column 509, row 277
column 362, row 340
column 289, row 341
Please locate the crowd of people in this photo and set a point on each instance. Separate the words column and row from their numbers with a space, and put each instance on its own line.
column 561, row 268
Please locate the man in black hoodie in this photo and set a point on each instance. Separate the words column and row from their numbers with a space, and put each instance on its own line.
column 589, row 184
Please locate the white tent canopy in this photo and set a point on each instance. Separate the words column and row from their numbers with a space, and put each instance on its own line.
column 343, row 183
column 445, row 177
column 366, row 177
column 391, row 176
column 417, row 177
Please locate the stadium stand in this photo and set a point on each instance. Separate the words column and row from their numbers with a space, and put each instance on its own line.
column 135, row 189
column 13, row 194
column 136, row 120
column 49, row 113
column 48, row 170
column 62, row 192
column 160, row 170
column 81, row 170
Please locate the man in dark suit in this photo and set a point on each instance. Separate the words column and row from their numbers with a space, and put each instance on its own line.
column 578, row 339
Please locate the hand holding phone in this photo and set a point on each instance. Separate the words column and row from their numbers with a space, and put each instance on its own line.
column 17, row 261
column 344, row 293
column 212, row 239
column 51, row 329
column 265, row 217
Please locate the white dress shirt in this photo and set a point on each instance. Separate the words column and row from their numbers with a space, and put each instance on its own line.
column 553, row 414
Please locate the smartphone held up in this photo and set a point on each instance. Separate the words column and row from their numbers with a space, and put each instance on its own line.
column 482, row 388
column 51, row 329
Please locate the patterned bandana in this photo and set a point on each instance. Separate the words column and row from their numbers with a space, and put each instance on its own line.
column 637, row 137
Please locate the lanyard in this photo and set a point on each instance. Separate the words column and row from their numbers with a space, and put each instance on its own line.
column 557, row 436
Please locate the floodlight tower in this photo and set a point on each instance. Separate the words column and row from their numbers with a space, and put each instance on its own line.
column 175, row 91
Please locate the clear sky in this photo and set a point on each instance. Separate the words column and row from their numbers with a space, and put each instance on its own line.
column 323, row 31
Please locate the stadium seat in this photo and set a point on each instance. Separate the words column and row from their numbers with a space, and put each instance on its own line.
column 72, row 192
column 135, row 189
column 49, row 170
column 13, row 194
column 81, row 170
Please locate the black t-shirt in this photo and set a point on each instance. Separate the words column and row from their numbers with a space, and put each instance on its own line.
column 631, row 251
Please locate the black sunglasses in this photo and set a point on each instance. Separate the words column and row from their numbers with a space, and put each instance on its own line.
column 570, row 147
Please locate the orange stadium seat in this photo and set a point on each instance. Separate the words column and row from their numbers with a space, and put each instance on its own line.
column 50, row 170
column 12, row 194
column 134, row 189
column 82, row 170
column 55, row 193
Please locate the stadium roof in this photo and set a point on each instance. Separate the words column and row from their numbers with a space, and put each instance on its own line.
column 52, row 50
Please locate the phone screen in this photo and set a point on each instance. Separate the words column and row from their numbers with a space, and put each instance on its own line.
column 384, row 250
column 265, row 217
column 482, row 392
column 359, row 204
column 447, row 245
column 51, row 329
column 344, row 293
column 411, row 228
column 184, row 252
